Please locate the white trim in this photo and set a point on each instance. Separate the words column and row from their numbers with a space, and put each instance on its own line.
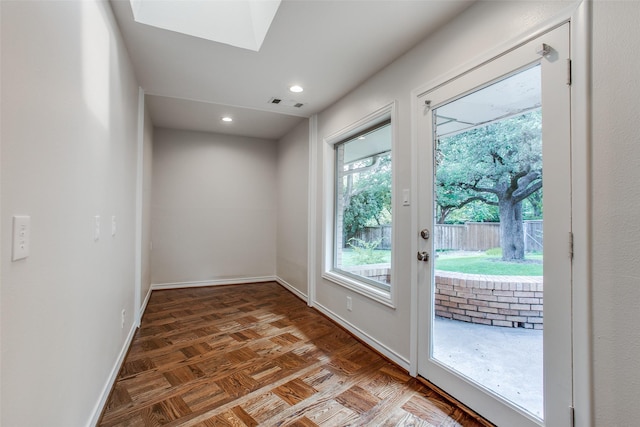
column 292, row 288
column 583, row 392
column 327, row 218
column 113, row 375
column 360, row 287
column 368, row 339
column 579, row 15
column 388, row 298
column 414, row 307
column 395, row 191
column 213, row 282
column 143, row 308
column 312, row 231
column 137, row 288
column 496, row 52
column 367, row 121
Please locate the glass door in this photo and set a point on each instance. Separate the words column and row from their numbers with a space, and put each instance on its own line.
column 495, row 308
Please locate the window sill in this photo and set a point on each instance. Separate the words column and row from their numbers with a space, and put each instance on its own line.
column 360, row 287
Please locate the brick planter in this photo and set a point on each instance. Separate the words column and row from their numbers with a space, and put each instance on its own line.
column 377, row 272
column 508, row 301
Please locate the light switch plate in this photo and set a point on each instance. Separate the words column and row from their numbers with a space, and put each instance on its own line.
column 406, row 197
column 21, row 236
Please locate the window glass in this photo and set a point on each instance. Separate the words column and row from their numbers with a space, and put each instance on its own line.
column 362, row 243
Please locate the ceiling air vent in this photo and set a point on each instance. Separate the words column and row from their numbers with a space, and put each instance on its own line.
column 286, row 102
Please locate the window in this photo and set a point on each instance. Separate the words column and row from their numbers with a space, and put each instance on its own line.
column 361, row 236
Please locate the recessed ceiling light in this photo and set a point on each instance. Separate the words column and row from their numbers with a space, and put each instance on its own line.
column 296, row 89
column 227, row 119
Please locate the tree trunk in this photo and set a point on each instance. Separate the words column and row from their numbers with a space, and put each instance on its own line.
column 511, row 232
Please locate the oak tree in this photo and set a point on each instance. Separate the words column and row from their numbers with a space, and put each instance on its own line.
column 498, row 164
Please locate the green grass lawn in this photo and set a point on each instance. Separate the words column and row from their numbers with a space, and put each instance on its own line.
column 471, row 262
column 481, row 263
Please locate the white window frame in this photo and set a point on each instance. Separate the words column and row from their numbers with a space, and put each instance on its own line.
column 349, row 281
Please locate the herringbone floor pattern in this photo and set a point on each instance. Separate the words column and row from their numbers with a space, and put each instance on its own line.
column 250, row 355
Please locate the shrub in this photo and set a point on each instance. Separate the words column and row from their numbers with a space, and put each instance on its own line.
column 494, row 252
column 365, row 252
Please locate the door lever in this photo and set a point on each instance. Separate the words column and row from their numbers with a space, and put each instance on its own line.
column 423, row 256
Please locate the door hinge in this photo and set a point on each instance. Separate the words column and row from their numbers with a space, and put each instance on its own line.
column 569, row 78
column 571, row 245
column 426, row 106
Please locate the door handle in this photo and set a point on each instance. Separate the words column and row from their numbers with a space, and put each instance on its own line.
column 423, row 256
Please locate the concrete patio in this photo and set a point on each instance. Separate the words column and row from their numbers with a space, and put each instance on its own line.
column 507, row 361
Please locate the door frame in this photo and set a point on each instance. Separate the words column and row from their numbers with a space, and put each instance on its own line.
column 557, row 295
column 579, row 15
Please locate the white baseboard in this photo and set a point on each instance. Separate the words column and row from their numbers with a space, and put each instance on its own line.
column 377, row 345
column 144, row 305
column 369, row 340
column 292, row 289
column 106, row 390
column 214, row 282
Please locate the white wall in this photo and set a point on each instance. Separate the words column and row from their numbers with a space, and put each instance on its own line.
column 213, row 209
column 147, row 168
column 292, row 223
column 68, row 139
column 614, row 174
column 616, row 205
column 481, row 28
column 69, row 108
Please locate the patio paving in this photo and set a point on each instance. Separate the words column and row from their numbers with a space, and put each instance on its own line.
column 507, row 361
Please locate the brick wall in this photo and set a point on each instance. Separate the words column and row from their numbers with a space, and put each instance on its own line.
column 509, row 301
column 378, row 272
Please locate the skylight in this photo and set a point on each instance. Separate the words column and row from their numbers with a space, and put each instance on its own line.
column 239, row 23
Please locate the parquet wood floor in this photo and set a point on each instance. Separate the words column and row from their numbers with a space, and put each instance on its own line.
column 249, row 355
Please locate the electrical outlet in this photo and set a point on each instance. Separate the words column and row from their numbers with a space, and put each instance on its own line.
column 124, row 312
column 349, row 304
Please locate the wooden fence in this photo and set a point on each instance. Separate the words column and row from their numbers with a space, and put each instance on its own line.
column 532, row 236
column 472, row 236
column 480, row 236
column 372, row 234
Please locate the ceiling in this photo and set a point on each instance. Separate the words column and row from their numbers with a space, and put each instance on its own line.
column 513, row 95
column 328, row 47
